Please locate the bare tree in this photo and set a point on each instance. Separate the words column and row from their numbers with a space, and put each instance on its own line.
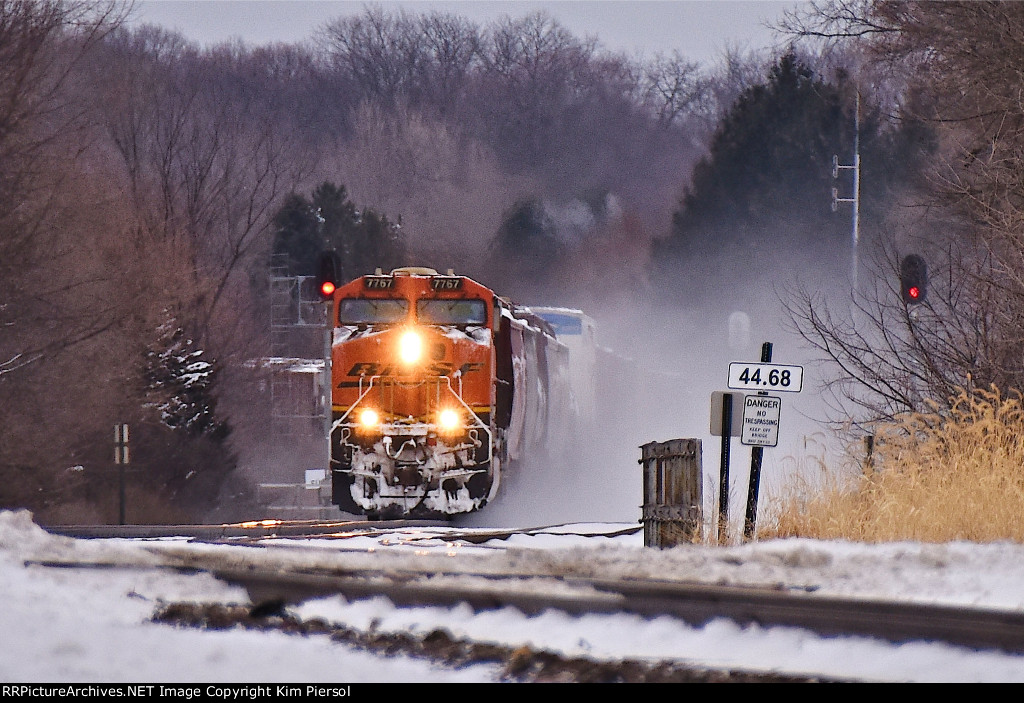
column 453, row 45
column 887, row 357
column 959, row 63
column 675, row 86
column 446, row 189
column 65, row 294
column 380, row 53
column 207, row 160
column 41, row 45
column 533, row 70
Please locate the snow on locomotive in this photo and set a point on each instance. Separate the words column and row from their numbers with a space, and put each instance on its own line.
column 438, row 386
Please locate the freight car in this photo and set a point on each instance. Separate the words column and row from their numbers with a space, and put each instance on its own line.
column 439, row 386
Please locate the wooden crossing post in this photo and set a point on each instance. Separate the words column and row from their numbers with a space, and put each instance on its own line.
column 673, row 492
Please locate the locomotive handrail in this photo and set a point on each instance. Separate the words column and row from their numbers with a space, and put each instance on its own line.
column 362, row 394
column 458, row 397
column 478, row 422
column 475, row 421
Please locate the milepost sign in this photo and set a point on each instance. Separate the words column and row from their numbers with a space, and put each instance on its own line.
column 760, row 427
column 746, row 376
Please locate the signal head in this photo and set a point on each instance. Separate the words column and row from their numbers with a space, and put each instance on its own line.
column 328, row 272
column 913, row 279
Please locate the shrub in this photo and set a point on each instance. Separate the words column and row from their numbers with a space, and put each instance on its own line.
column 933, row 477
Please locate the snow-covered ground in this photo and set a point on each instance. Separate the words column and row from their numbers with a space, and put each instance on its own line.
column 89, row 626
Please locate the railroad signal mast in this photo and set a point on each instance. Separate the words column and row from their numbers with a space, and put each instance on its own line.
column 328, row 278
column 855, row 198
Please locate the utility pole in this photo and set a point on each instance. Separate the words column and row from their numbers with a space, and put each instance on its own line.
column 855, row 199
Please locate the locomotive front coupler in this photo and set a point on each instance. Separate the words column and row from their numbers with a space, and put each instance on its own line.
column 410, row 443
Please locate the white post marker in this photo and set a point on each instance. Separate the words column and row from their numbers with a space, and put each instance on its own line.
column 121, row 444
column 761, row 420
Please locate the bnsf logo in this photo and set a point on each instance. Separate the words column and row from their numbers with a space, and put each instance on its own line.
column 441, row 368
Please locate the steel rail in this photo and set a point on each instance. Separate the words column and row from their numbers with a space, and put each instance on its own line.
column 271, row 585
column 695, row 604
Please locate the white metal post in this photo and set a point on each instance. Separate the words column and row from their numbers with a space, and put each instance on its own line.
column 855, row 167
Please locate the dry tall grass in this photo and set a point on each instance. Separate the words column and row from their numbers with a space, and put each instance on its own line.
column 934, row 478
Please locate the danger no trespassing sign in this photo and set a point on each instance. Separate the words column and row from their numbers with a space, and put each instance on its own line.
column 761, row 420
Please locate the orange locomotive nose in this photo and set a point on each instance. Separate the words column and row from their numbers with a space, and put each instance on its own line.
column 422, row 375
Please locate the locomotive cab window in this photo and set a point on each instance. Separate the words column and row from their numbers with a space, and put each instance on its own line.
column 367, row 311
column 451, row 312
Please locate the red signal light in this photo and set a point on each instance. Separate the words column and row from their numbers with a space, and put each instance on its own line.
column 328, row 270
column 913, row 279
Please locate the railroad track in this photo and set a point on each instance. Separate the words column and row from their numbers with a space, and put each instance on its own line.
column 695, row 604
column 259, row 530
column 276, row 578
column 255, row 529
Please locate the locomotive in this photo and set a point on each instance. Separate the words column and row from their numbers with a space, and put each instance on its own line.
column 439, row 387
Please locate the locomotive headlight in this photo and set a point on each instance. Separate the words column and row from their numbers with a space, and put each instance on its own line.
column 448, row 420
column 369, row 418
column 410, row 347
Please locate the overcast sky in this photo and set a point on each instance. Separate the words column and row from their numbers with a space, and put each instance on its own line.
column 700, row 29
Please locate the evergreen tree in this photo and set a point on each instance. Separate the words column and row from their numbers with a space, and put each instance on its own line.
column 297, row 238
column 527, row 243
column 179, row 384
column 762, row 197
column 329, row 220
column 180, row 439
column 770, row 158
column 378, row 244
column 337, row 218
